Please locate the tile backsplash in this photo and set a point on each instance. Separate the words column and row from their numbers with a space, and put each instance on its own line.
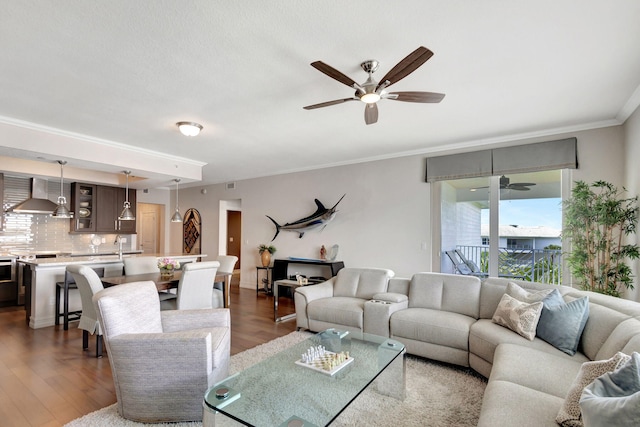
column 31, row 232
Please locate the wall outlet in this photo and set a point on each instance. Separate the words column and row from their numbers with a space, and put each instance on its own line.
column 104, row 240
column 124, row 239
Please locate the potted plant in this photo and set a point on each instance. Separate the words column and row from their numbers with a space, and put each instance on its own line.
column 597, row 220
column 265, row 254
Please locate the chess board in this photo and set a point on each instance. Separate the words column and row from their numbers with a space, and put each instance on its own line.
column 318, row 362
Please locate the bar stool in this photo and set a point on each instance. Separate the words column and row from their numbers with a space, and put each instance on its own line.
column 62, row 291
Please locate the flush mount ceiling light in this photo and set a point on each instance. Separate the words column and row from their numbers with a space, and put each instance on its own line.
column 176, row 215
column 61, row 210
column 127, row 214
column 189, row 128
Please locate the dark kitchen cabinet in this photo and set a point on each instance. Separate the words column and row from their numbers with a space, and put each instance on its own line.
column 104, row 204
column 110, row 204
column 83, row 205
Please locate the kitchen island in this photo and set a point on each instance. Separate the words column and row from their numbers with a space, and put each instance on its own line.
column 42, row 274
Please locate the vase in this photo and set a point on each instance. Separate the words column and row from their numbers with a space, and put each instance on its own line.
column 265, row 256
column 166, row 273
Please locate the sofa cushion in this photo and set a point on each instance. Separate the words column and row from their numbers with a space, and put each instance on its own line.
column 338, row 310
column 361, row 282
column 518, row 316
column 561, row 324
column 614, row 398
column 485, row 336
column 569, row 414
column 515, row 291
column 508, row 404
column 536, row 369
column 432, row 326
column 425, row 291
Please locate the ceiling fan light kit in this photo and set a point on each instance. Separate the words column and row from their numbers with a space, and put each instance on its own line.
column 370, row 92
column 189, row 128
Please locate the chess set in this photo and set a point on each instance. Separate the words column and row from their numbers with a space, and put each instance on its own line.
column 321, row 360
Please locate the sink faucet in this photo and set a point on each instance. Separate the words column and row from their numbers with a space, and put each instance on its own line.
column 119, row 243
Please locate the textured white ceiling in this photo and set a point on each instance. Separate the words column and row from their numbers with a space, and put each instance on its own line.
column 121, row 73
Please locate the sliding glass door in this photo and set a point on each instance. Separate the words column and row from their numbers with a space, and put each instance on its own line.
column 503, row 226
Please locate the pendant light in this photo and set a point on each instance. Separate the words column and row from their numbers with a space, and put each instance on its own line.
column 176, row 215
column 61, row 210
column 127, row 214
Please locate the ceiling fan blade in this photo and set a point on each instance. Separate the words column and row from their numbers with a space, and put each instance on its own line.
column 407, row 66
column 334, row 74
column 517, row 187
column 424, row 97
column 371, row 114
column 329, row 103
column 524, row 184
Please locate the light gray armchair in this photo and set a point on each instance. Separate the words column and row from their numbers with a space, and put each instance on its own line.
column 162, row 362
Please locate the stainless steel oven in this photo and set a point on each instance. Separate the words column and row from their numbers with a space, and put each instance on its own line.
column 8, row 280
column 7, row 269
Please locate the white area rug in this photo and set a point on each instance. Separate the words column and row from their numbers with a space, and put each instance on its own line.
column 437, row 395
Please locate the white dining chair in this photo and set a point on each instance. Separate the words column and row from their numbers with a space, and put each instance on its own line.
column 195, row 288
column 88, row 283
column 140, row 265
column 227, row 265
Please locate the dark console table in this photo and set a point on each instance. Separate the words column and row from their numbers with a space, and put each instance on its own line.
column 281, row 266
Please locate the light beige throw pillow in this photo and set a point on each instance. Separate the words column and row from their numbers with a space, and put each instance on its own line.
column 569, row 415
column 518, row 316
column 524, row 295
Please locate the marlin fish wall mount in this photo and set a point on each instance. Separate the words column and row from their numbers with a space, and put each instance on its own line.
column 319, row 219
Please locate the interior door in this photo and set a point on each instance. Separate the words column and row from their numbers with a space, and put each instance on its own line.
column 149, row 230
column 234, row 234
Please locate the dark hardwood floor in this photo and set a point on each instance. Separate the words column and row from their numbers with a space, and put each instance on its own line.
column 47, row 380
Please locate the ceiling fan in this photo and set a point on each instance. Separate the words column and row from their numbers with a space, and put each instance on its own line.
column 370, row 92
column 505, row 184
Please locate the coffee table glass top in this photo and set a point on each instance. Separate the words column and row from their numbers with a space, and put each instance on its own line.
column 276, row 390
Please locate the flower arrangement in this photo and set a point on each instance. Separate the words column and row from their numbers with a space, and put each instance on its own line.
column 262, row 248
column 168, row 264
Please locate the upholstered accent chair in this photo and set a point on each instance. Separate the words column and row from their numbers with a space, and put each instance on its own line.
column 162, row 362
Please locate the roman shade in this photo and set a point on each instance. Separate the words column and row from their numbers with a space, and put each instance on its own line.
column 559, row 154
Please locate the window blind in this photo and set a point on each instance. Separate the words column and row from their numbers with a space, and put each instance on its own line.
column 559, row 154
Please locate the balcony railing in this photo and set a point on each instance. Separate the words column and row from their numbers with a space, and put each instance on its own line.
column 534, row 265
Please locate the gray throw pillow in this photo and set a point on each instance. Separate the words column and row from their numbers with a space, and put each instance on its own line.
column 614, row 398
column 569, row 414
column 561, row 324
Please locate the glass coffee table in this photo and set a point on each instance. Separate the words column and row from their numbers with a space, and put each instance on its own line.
column 280, row 392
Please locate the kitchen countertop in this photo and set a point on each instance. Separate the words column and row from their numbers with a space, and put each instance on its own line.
column 98, row 259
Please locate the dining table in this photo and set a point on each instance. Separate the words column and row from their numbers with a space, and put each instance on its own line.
column 164, row 283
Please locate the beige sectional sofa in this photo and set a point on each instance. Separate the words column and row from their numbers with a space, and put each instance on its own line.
column 449, row 318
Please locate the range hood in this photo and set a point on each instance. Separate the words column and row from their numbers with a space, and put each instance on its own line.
column 38, row 203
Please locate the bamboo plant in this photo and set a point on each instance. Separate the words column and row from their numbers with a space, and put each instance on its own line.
column 598, row 220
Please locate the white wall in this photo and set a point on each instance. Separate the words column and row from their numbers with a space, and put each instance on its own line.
column 382, row 222
column 385, row 218
column 632, row 181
